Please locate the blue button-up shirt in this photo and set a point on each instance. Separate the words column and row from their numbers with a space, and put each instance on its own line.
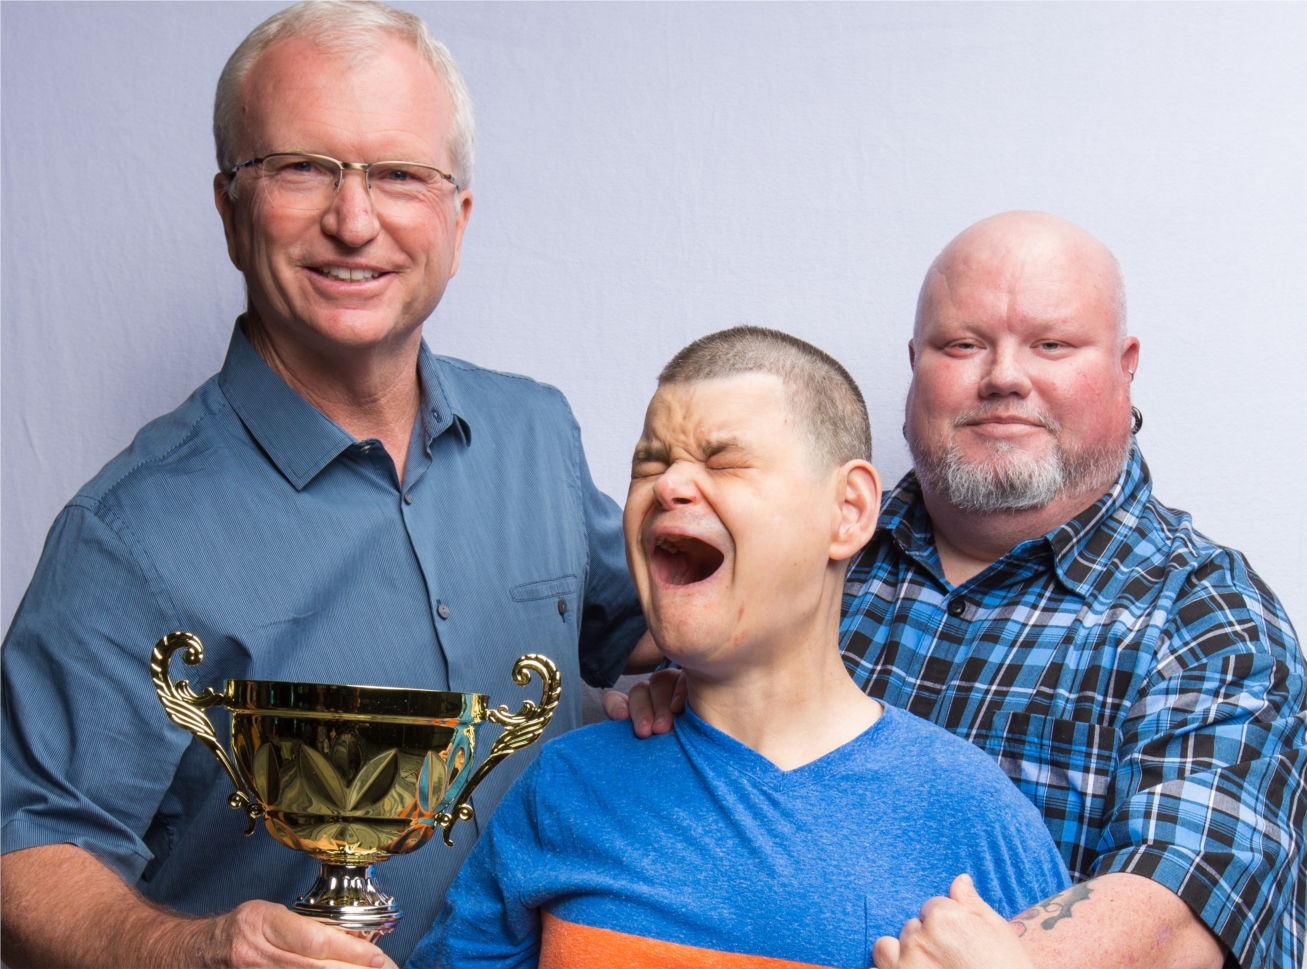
column 1139, row 683
column 250, row 519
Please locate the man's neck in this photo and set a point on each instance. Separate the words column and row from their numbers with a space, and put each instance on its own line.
column 969, row 542
column 792, row 709
column 371, row 393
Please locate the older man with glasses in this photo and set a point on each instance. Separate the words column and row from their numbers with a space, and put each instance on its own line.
column 333, row 506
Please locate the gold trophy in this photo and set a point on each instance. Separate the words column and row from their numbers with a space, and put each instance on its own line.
column 351, row 774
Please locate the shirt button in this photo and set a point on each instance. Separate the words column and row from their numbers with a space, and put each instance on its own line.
column 442, row 611
column 408, row 497
column 957, row 606
column 562, row 607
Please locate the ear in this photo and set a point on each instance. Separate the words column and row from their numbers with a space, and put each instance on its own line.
column 856, row 510
column 912, row 356
column 227, row 209
column 460, row 223
column 1130, row 356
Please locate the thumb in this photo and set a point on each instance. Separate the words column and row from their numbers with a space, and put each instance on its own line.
column 963, row 891
column 616, row 705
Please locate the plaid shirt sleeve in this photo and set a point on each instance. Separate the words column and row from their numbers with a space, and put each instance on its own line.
column 1210, row 785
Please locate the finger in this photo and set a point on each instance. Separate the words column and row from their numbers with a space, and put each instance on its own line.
column 641, row 709
column 285, row 930
column 934, row 905
column 662, row 685
column 333, row 964
column 616, row 706
column 910, row 928
column 963, row 891
column 679, row 692
column 885, row 953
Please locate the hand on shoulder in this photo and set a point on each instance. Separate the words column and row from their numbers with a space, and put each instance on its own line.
column 651, row 705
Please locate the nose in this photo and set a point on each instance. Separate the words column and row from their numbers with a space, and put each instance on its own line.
column 677, row 487
column 1005, row 375
column 351, row 217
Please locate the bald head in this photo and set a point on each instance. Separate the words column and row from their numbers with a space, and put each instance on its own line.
column 1020, row 256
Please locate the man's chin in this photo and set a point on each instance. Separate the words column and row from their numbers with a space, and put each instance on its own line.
column 355, row 329
column 689, row 644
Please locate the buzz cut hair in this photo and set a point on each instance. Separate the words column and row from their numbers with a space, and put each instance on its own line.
column 829, row 412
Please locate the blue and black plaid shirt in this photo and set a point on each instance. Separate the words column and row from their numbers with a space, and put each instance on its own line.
column 1141, row 685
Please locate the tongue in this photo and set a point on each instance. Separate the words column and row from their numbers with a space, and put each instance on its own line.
column 689, row 562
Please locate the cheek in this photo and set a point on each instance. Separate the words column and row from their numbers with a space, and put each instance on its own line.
column 270, row 238
column 638, row 500
column 783, row 542
column 942, row 387
column 1083, row 400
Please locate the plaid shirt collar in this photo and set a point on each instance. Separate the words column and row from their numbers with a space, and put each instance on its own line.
column 1077, row 550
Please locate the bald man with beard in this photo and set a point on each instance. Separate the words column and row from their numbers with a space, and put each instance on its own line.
column 1025, row 590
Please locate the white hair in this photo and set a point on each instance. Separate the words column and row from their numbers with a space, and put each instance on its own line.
column 1009, row 479
column 349, row 29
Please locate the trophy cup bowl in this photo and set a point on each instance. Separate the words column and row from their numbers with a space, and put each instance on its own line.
column 351, row 774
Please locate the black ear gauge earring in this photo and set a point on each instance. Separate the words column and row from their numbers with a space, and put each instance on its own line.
column 1136, row 420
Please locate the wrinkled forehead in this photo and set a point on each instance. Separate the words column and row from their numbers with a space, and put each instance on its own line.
column 389, row 90
column 748, row 410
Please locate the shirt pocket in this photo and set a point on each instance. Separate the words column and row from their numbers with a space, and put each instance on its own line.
column 551, row 608
column 559, row 588
column 1066, row 767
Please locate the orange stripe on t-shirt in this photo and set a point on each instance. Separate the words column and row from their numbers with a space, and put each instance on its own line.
column 567, row 945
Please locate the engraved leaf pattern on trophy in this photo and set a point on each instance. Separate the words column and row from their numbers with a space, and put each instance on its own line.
column 343, row 795
column 186, row 709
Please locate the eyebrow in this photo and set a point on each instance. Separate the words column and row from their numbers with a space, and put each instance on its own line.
column 657, row 452
column 651, row 452
column 713, row 448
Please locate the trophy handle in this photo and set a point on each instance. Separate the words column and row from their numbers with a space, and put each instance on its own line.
column 521, row 729
column 186, row 709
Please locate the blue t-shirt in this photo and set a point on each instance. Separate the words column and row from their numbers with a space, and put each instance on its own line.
column 692, row 849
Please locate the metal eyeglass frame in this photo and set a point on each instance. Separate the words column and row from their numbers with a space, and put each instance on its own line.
column 344, row 166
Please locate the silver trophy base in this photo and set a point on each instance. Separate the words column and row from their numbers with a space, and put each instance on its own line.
column 346, row 897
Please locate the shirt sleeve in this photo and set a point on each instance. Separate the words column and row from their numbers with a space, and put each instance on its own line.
column 485, row 922
column 611, row 618
column 1210, row 798
column 87, row 750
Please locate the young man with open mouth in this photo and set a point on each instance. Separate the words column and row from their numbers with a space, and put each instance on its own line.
column 789, row 819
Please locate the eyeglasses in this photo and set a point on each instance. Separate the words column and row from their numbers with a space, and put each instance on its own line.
column 309, row 183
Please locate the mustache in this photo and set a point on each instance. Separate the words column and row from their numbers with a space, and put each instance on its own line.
column 988, row 411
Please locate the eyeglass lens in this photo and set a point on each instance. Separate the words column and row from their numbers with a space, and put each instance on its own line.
column 310, row 184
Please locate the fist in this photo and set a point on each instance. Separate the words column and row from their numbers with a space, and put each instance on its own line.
column 266, row 935
column 958, row 932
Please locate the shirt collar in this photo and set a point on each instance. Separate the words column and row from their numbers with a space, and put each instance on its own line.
column 298, row 438
column 1090, row 542
column 1079, row 548
column 441, row 409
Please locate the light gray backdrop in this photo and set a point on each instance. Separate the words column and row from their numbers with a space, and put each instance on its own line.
column 649, row 173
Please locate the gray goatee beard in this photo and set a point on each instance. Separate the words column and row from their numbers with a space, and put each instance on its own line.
column 1010, row 479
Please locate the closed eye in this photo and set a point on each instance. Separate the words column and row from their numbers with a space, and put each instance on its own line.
column 647, row 469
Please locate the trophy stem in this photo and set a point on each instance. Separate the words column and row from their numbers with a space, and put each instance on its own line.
column 345, row 896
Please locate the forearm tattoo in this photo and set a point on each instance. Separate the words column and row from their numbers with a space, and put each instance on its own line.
column 1048, row 914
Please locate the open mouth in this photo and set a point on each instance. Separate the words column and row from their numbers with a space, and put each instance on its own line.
column 682, row 560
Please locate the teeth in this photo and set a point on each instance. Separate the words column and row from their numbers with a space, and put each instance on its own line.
column 342, row 273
